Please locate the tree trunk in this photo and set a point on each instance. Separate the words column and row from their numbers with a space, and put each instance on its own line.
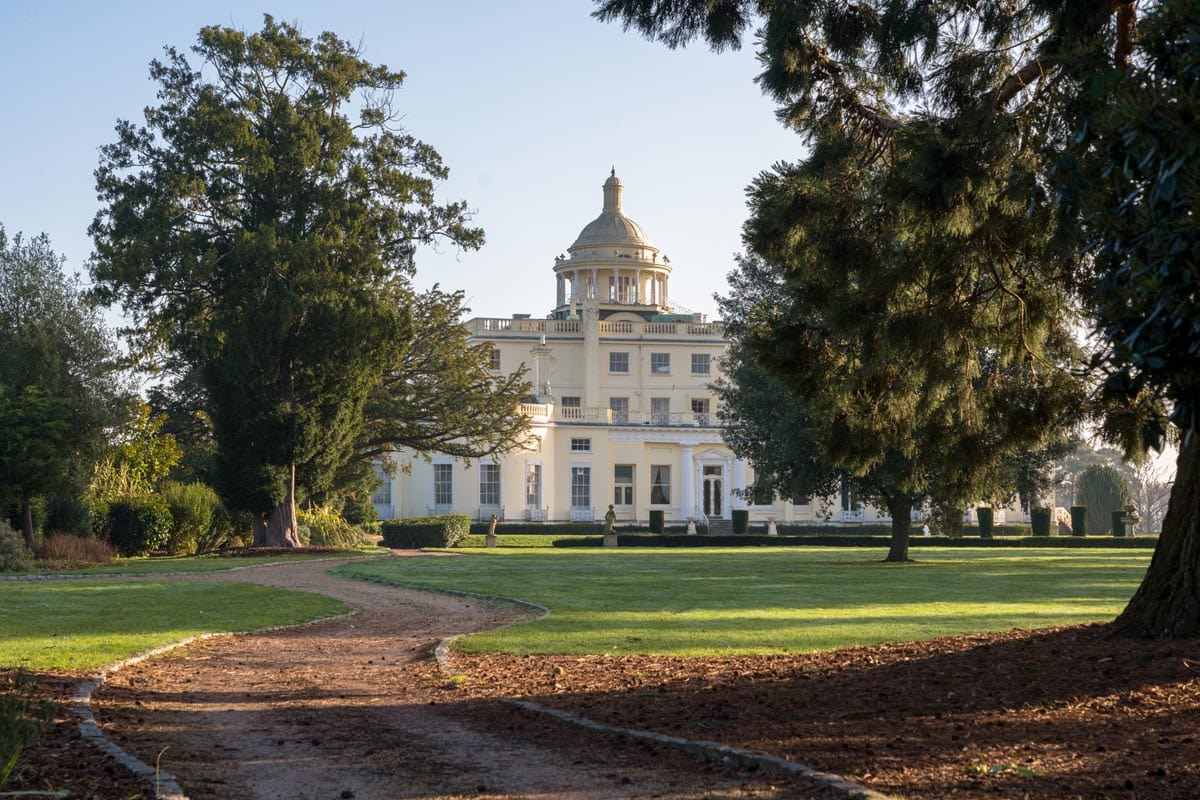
column 278, row 529
column 1167, row 604
column 901, row 510
column 27, row 522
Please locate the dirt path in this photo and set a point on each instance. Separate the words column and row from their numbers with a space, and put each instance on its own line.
column 355, row 708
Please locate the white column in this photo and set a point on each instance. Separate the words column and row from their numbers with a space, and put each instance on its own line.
column 687, row 483
column 637, row 286
column 575, row 285
column 559, row 289
column 739, row 483
column 595, row 291
column 726, row 488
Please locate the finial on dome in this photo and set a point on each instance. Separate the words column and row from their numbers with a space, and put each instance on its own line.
column 614, row 171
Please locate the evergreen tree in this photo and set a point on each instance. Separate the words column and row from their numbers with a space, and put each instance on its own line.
column 1102, row 490
column 962, row 87
column 971, row 429
column 60, row 391
column 260, row 237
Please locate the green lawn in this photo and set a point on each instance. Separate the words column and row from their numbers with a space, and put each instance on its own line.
column 760, row 600
column 158, row 565
column 83, row 624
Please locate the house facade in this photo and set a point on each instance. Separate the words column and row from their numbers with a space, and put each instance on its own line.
column 622, row 411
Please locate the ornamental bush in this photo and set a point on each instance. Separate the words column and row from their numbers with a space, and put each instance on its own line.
column 14, row 556
column 327, row 529
column 138, row 524
column 65, row 549
column 194, row 509
column 446, row 530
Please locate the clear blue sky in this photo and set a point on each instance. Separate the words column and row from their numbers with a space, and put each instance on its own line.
column 530, row 102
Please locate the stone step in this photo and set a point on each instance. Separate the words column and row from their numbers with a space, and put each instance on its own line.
column 720, row 527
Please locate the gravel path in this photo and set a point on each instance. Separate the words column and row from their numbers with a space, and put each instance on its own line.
column 355, row 708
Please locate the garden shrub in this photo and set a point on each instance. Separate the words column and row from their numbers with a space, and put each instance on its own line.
column 657, row 518
column 66, row 549
column 14, row 556
column 223, row 530
column 986, row 515
column 136, row 525
column 446, row 530
column 193, row 509
column 741, row 520
column 327, row 529
column 21, row 718
column 359, row 510
column 68, row 514
column 1079, row 520
column 1039, row 520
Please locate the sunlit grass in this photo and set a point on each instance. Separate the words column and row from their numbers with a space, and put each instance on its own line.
column 157, row 565
column 87, row 624
column 757, row 600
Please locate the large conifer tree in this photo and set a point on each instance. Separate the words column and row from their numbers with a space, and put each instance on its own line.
column 960, row 88
column 260, row 235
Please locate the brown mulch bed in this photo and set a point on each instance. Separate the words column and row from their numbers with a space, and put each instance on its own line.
column 1055, row 713
column 61, row 759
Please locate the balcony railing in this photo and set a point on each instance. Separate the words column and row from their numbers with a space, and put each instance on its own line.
column 548, row 412
column 492, row 326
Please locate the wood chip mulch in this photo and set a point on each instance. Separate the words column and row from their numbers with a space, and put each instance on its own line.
column 1053, row 713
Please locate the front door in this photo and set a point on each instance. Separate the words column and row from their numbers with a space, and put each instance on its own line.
column 711, row 492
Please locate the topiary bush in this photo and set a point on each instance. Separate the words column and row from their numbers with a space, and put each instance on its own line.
column 1039, row 521
column 657, row 520
column 986, row 516
column 14, row 556
column 194, row 508
column 136, row 525
column 741, row 520
column 1079, row 520
column 327, row 529
column 446, row 530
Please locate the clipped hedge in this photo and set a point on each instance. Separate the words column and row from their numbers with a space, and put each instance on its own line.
column 827, row 540
column 540, row 528
column 445, row 530
column 1009, row 529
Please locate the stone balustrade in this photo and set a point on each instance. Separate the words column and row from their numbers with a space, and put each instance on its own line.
column 499, row 327
column 548, row 412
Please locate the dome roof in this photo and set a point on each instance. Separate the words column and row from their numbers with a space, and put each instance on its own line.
column 612, row 227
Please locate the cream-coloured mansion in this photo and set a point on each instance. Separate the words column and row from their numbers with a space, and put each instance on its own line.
column 624, row 412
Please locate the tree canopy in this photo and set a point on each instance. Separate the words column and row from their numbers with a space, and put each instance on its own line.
column 259, row 229
column 972, row 107
column 60, row 377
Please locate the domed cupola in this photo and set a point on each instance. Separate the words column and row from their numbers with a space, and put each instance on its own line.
column 612, row 227
column 613, row 262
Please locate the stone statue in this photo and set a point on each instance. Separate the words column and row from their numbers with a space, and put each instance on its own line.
column 610, row 519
